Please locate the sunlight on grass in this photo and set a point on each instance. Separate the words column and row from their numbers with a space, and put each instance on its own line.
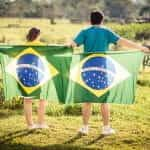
column 130, row 121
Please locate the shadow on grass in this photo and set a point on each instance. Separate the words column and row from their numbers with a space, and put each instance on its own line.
column 6, row 113
column 8, row 137
column 143, row 83
column 96, row 139
column 78, row 136
column 48, row 147
column 5, row 143
column 73, row 139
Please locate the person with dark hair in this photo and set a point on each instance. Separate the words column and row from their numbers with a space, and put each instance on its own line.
column 33, row 39
column 96, row 18
column 97, row 38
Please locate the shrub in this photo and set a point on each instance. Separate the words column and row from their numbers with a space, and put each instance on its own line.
column 15, row 103
column 132, row 31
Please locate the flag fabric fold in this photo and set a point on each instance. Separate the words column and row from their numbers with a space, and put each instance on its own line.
column 56, row 74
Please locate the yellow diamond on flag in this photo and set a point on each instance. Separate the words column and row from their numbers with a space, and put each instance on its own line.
column 31, row 70
column 98, row 73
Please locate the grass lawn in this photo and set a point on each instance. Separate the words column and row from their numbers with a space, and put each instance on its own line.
column 131, row 122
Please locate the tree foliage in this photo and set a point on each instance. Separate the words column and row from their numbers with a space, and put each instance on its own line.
column 71, row 8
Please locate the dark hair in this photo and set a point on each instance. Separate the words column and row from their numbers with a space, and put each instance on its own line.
column 96, row 17
column 32, row 34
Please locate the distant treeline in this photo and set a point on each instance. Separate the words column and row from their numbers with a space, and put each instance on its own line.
column 75, row 10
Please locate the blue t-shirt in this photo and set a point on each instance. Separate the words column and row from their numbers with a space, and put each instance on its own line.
column 96, row 39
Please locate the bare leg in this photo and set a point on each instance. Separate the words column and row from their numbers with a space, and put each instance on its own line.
column 41, row 111
column 105, row 113
column 106, row 130
column 86, row 112
column 28, row 111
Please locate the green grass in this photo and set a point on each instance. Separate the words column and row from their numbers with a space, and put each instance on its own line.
column 132, row 123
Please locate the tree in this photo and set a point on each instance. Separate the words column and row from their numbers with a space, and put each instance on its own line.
column 71, row 8
column 145, row 12
column 120, row 9
column 3, row 7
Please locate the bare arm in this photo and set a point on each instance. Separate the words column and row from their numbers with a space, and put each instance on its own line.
column 127, row 43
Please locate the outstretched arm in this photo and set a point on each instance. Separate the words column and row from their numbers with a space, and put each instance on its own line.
column 127, row 43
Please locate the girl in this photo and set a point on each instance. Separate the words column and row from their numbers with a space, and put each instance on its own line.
column 33, row 39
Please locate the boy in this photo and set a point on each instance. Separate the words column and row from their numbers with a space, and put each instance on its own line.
column 97, row 39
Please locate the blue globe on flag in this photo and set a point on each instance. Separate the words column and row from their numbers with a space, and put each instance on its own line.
column 30, row 70
column 98, row 73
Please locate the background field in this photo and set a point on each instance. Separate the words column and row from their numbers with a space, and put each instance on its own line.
column 132, row 122
column 13, row 31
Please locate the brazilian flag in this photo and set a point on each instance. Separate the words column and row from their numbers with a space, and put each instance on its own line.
column 55, row 73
